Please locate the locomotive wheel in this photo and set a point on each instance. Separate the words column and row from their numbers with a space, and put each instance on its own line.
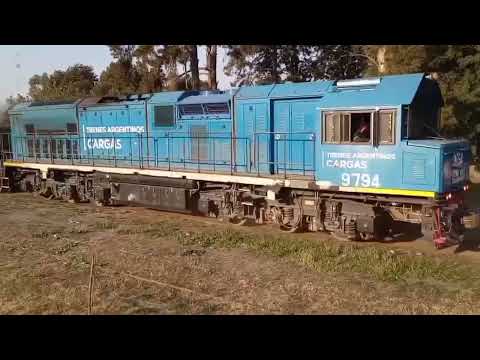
column 226, row 212
column 277, row 217
column 365, row 236
column 236, row 216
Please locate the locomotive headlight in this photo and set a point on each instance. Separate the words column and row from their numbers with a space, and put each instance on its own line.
column 465, row 187
column 449, row 196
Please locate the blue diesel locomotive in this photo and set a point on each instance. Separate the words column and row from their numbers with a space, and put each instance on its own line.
column 352, row 157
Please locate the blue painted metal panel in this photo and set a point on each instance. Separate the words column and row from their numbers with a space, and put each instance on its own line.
column 44, row 119
column 309, row 89
column 220, row 144
column 294, row 139
column 253, row 133
column 167, row 97
column 114, row 134
column 254, row 92
column 397, row 166
column 392, row 91
column 359, row 165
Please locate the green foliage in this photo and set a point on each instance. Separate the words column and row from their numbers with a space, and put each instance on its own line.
column 459, row 78
column 263, row 64
column 397, row 59
column 149, row 68
column 116, row 79
column 330, row 256
column 120, row 77
column 10, row 102
column 75, row 82
column 457, row 69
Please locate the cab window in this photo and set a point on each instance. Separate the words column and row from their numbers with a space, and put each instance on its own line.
column 343, row 127
column 348, row 127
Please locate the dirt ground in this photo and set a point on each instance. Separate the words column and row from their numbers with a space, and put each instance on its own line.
column 151, row 262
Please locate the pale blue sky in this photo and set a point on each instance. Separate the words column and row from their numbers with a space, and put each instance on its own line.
column 37, row 59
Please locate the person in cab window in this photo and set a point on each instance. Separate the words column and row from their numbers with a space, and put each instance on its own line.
column 363, row 132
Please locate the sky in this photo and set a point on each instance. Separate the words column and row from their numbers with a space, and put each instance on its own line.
column 18, row 63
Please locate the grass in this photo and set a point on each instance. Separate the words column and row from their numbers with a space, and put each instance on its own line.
column 321, row 256
column 332, row 257
column 158, row 229
column 45, row 268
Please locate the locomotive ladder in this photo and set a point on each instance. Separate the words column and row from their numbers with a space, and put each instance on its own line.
column 4, row 180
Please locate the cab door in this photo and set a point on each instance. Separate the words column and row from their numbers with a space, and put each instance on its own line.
column 294, row 140
column 254, row 138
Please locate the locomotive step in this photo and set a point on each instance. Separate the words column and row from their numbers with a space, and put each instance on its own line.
column 4, row 184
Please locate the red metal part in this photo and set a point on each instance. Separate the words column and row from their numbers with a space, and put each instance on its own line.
column 439, row 238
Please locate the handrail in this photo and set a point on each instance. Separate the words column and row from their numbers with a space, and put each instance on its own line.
column 260, row 153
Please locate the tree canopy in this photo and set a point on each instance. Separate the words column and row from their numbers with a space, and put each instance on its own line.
column 77, row 81
column 262, row 64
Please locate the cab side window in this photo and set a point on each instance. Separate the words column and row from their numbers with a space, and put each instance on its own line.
column 360, row 124
column 386, row 128
column 332, row 128
column 343, row 127
column 347, row 127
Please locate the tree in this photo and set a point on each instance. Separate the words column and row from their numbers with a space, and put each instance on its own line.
column 75, row 82
column 120, row 77
column 10, row 102
column 149, row 66
column 259, row 64
column 254, row 64
column 170, row 56
column 19, row 99
column 398, row 59
column 240, row 64
column 212, row 66
column 114, row 81
column 458, row 73
column 195, row 73
column 296, row 62
column 335, row 62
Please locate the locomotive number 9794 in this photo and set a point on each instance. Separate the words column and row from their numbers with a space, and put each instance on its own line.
column 359, row 179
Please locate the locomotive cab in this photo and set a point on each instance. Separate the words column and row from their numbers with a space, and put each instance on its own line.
column 380, row 136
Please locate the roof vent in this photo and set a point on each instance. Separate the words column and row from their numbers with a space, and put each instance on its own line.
column 358, row 83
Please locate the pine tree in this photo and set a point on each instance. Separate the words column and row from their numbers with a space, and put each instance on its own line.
column 397, row 59
column 259, row 64
column 212, row 66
